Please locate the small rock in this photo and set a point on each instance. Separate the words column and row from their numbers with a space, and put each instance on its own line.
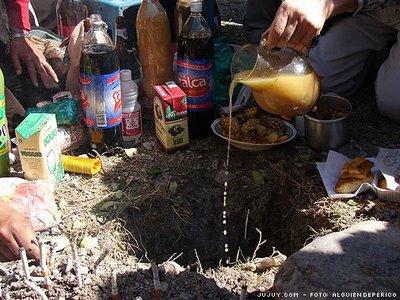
column 148, row 146
column 171, row 267
column 88, row 280
column 84, row 270
column 364, row 255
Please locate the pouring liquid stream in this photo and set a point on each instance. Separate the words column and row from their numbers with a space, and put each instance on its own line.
column 283, row 94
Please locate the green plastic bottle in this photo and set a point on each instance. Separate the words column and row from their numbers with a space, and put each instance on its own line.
column 4, row 137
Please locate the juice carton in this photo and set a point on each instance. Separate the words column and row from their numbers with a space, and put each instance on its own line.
column 39, row 148
column 170, row 116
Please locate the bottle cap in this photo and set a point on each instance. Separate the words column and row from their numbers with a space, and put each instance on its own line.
column 126, row 75
column 196, row 6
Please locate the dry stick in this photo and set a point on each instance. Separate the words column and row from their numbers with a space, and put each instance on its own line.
column 199, row 262
column 246, row 224
column 77, row 264
column 53, row 255
column 43, row 263
column 156, row 281
column 260, row 243
column 114, row 285
column 99, row 260
column 36, row 288
column 243, row 293
column 25, row 266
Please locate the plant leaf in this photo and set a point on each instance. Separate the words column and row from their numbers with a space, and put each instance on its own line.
column 119, row 194
column 153, row 171
column 258, row 178
column 173, row 187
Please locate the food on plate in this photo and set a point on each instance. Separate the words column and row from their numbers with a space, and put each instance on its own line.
column 354, row 173
column 253, row 126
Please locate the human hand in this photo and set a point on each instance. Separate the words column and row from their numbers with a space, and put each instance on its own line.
column 296, row 23
column 23, row 50
column 15, row 232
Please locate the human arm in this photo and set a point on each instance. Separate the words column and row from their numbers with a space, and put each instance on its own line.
column 15, row 232
column 22, row 49
column 297, row 22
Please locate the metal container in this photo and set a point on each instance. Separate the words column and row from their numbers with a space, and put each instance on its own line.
column 329, row 134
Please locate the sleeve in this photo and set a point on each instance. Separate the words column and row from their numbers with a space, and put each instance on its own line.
column 373, row 4
column 18, row 14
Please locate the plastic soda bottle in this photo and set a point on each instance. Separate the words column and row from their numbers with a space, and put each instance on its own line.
column 100, row 86
column 196, row 71
column 69, row 14
column 154, row 43
column 131, row 110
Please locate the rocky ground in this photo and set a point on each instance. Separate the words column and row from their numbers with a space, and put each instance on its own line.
column 147, row 205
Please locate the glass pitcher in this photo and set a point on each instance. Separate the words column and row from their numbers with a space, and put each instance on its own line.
column 282, row 82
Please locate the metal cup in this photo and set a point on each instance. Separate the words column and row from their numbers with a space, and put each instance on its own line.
column 329, row 134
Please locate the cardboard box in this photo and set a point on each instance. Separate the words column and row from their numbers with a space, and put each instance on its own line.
column 170, row 116
column 39, row 148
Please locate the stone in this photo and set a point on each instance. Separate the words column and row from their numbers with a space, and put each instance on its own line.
column 362, row 258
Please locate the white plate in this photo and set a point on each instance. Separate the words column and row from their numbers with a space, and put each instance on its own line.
column 250, row 146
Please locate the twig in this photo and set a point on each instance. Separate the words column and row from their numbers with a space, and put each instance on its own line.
column 246, row 223
column 173, row 257
column 114, row 285
column 53, row 255
column 99, row 260
column 43, row 262
column 283, row 174
column 25, row 266
column 198, row 262
column 77, row 264
column 156, row 281
column 243, row 293
column 199, row 287
column 36, row 288
column 260, row 243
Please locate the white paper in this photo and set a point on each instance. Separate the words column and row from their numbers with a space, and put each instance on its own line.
column 330, row 172
column 388, row 162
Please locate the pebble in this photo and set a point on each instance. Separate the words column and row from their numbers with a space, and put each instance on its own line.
column 88, row 280
column 148, row 146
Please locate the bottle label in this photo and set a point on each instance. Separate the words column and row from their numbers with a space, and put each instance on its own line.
column 196, row 78
column 101, row 99
column 3, row 136
column 132, row 124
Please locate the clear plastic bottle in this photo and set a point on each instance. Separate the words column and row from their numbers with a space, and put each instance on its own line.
column 100, row 85
column 131, row 110
column 154, row 43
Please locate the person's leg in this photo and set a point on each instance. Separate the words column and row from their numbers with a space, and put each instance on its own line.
column 340, row 55
column 387, row 82
column 259, row 16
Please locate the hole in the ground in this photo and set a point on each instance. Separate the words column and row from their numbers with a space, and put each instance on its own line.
column 191, row 219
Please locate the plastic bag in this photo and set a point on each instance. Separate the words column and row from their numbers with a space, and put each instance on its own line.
column 33, row 199
column 67, row 111
column 72, row 137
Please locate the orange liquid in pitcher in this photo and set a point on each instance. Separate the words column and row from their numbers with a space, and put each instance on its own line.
column 288, row 95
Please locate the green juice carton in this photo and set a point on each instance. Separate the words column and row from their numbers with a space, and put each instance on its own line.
column 39, row 148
